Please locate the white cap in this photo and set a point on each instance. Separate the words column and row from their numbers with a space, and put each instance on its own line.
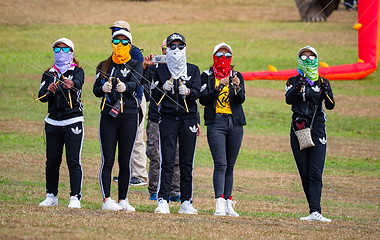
column 222, row 45
column 124, row 33
column 66, row 41
column 307, row 48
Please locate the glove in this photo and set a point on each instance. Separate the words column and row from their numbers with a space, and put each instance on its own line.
column 68, row 84
column 52, row 87
column 120, row 87
column 107, row 87
column 183, row 90
column 302, row 81
column 325, row 87
column 167, row 85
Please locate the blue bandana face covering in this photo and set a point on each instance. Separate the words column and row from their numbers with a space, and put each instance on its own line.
column 63, row 60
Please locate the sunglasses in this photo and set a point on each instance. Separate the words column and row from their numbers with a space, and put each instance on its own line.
column 125, row 42
column 304, row 57
column 64, row 49
column 220, row 55
column 117, row 29
column 174, row 46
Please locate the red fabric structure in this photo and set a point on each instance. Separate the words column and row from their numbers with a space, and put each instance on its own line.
column 368, row 45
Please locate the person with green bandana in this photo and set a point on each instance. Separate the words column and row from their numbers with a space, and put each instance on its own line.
column 306, row 93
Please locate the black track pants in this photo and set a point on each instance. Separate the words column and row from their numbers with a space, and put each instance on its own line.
column 310, row 163
column 186, row 131
column 122, row 131
column 72, row 137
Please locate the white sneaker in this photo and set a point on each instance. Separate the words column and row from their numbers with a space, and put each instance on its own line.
column 50, row 201
column 220, row 209
column 126, row 206
column 162, row 207
column 74, row 202
column 230, row 205
column 315, row 216
column 187, row 208
column 110, row 204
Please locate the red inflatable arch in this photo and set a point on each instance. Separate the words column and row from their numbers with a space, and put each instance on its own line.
column 368, row 45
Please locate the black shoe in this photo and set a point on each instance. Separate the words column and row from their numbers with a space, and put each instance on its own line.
column 137, row 182
column 116, row 179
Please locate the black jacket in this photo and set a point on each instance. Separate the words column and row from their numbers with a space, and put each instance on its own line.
column 209, row 96
column 58, row 102
column 172, row 105
column 304, row 101
column 130, row 74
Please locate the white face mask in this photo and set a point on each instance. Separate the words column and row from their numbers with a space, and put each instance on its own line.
column 176, row 61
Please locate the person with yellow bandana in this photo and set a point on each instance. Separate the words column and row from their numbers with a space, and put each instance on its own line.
column 222, row 94
column 116, row 82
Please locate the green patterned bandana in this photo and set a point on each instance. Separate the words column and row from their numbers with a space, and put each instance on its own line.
column 309, row 67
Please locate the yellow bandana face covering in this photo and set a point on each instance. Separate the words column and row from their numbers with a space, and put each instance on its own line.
column 121, row 53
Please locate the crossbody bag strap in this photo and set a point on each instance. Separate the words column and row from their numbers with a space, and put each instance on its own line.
column 316, row 105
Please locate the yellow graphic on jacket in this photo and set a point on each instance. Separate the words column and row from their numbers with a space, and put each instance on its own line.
column 223, row 101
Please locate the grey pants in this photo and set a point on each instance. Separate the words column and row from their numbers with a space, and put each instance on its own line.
column 224, row 139
column 152, row 152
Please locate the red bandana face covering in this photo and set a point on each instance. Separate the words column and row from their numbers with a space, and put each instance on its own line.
column 221, row 67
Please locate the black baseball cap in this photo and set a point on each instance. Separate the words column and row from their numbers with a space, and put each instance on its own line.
column 173, row 37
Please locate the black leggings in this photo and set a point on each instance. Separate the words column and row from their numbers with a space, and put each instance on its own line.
column 310, row 163
column 122, row 131
column 72, row 137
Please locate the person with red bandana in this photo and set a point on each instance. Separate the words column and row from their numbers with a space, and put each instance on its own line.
column 222, row 94
column 116, row 82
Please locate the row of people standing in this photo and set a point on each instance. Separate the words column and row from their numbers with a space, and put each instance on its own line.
column 175, row 88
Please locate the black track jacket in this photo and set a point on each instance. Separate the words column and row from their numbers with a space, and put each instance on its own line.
column 209, row 95
column 58, row 102
column 304, row 102
column 172, row 105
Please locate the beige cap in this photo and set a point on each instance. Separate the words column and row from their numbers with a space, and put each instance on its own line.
column 121, row 24
column 222, row 45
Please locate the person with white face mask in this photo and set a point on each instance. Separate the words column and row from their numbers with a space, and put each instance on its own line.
column 176, row 88
column 61, row 87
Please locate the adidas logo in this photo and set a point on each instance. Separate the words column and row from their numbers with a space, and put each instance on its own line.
column 193, row 129
column 316, row 88
column 124, row 72
column 323, row 140
column 70, row 77
column 76, row 130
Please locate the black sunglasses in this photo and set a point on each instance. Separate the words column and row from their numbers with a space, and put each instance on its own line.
column 220, row 55
column 174, row 46
column 64, row 49
column 125, row 42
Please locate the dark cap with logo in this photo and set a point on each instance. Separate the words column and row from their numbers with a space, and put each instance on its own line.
column 173, row 37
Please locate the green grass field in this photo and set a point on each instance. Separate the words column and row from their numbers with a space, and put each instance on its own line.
column 267, row 187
